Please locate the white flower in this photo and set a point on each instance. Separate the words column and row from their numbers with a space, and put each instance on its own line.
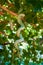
column 24, row 46
column 41, row 56
column 30, row 60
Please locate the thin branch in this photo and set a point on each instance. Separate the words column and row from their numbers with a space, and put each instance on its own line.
column 10, row 12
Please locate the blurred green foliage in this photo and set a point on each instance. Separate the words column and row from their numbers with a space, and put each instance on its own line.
column 31, row 49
